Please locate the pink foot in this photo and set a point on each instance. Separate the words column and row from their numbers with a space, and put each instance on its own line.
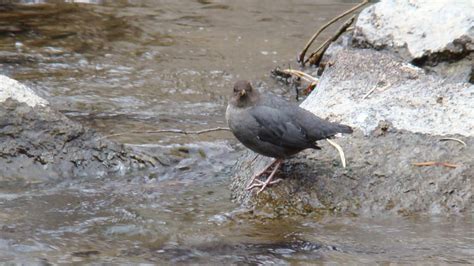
column 263, row 184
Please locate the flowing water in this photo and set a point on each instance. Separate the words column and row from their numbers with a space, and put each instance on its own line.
column 122, row 66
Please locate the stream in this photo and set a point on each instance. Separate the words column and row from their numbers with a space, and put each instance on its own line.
column 141, row 65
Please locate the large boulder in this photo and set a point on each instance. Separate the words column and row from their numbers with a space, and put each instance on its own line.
column 412, row 148
column 38, row 143
column 396, row 128
column 365, row 87
column 424, row 32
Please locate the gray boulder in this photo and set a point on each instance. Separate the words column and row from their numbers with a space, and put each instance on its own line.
column 398, row 126
column 38, row 143
column 365, row 87
column 402, row 107
column 424, row 32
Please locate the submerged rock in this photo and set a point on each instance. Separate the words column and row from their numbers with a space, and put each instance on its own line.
column 401, row 114
column 38, row 143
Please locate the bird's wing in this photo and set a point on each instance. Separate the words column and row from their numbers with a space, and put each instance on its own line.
column 278, row 128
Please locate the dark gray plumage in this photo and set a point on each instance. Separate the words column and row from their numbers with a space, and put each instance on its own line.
column 274, row 127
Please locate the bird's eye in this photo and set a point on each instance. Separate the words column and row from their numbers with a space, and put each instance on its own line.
column 236, row 90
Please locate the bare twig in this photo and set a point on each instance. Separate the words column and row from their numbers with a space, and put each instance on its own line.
column 277, row 72
column 288, row 73
column 450, row 165
column 302, row 54
column 341, row 152
column 176, row 131
column 373, row 89
column 301, row 75
column 316, row 56
column 369, row 92
column 454, row 139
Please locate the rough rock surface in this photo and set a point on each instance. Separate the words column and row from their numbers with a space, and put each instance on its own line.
column 424, row 32
column 38, row 143
column 10, row 88
column 364, row 87
column 422, row 27
column 380, row 177
column 400, row 123
column 401, row 114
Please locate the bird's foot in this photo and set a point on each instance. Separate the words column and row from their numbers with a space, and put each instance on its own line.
column 265, row 170
column 263, row 184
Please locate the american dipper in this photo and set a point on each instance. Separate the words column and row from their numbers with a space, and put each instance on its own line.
column 273, row 127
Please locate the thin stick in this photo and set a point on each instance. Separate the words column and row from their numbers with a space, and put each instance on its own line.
column 176, row 131
column 373, row 89
column 302, row 54
column 341, row 152
column 369, row 92
column 301, row 75
column 316, row 56
column 450, row 165
column 455, row 139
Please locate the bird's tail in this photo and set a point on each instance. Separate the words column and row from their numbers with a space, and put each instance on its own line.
column 340, row 128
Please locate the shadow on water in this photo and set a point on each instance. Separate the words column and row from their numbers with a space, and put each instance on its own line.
column 118, row 66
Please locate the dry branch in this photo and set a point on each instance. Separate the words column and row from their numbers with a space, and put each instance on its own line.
column 454, row 139
column 302, row 54
column 316, row 56
column 176, row 131
column 450, row 165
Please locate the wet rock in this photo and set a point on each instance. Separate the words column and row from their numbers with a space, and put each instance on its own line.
column 38, row 143
column 398, row 124
column 400, row 112
column 380, row 178
column 423, row 32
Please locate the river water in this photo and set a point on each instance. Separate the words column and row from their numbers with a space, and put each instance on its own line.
column 121, row 66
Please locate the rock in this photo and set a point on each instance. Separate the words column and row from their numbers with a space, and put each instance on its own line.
column 10, row 88
column 422, row 27
column 423, row 32
column 380, row 178
column 38, row 143
column 364, row 87
column 401, row 114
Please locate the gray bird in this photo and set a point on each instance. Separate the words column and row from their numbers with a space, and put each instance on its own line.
column 273, row 127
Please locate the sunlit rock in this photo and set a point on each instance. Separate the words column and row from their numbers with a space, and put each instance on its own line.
column 437, row 35
column 420, row 28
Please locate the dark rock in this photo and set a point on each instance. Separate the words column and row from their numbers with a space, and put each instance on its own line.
column 380, row 178
column 40, row 143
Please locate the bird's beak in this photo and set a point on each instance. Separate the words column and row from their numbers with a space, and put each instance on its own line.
column 242, row 93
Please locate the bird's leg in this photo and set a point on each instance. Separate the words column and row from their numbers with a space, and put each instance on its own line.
column 269, row 180
column 265, row 169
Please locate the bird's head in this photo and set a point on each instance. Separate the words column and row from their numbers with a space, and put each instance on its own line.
column 243, row 94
